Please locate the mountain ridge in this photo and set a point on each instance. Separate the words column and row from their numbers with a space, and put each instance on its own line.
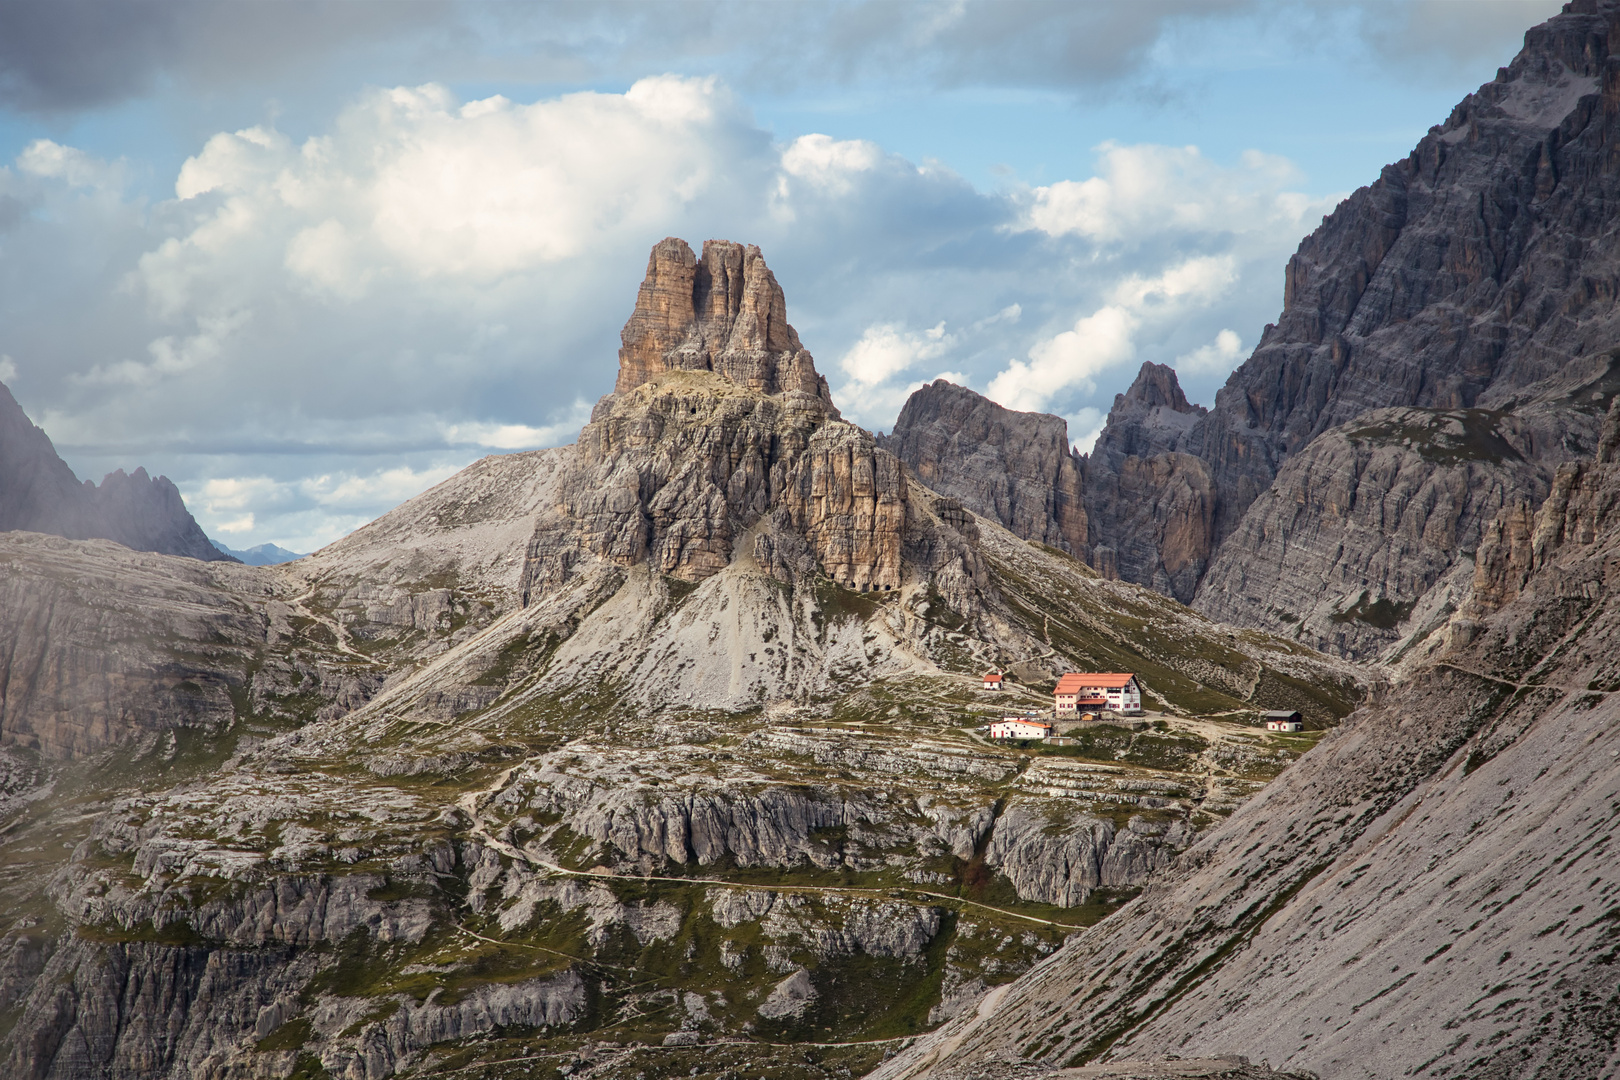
column 39, row 493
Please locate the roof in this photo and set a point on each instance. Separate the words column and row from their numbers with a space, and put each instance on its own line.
column 992, row 676
column 1074, row 681
column 1282, row 714
column 1091, row 701
column 1025, row 722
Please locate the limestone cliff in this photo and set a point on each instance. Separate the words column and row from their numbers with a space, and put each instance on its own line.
column 720, row 427
column 723, row 312
column 39, row 493
column 1151, row 502
column 1471, row 273
column 1015, row 468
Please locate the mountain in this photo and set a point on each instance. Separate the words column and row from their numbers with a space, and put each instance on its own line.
column 1446, row 342
column 39, row 493
column 259, row 555
column 652, row 753
column 1016, row 468
column 1428, row 893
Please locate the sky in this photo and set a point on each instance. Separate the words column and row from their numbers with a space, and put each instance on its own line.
column 309, row 259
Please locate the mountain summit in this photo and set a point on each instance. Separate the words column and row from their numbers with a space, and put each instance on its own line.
column 724, row 313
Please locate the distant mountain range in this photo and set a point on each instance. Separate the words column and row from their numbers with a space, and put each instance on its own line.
column 39, row 493
column 260, row 555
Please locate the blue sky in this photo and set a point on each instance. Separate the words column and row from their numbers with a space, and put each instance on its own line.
column 308, row 259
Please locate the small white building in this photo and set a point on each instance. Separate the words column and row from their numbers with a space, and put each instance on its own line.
column 1284, row 721
column 1115, row 690
column 992, row 681
column 1020, row 727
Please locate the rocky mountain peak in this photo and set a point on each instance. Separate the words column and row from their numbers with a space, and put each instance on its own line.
column 39, row 493
column 1016, row 468
column 722, row 312
column 1156, row 386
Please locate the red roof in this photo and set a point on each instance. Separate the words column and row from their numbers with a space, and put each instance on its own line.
column 1091, row 701
column 1074, row 681
column 994, row 676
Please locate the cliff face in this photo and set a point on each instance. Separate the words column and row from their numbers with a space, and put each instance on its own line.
column 720, row 426
column 724, row 313
column 1151, row 503
column 1015, row 468
column 39, row 493
column 1422, row 895
column 1473, row 281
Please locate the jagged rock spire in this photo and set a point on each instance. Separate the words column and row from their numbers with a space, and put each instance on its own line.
column 723, row 312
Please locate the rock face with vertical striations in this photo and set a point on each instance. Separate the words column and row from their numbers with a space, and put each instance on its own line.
column 720, row 426
column 724, row 313
column 39, row 493
column 1016, row 468
column 1151, row 503
column 1474, row 286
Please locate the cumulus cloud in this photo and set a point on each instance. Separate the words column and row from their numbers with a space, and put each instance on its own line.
column 1145, row 191
column 1151, row 206
column 1217, row 358
column 496, row 436
column 1106, row 338
column 307, row 512
column 413, row 182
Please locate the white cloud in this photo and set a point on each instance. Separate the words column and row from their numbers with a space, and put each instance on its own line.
column 1171, row 237
column 498, row 436
column 1084, row 427
column 1106, row 338
column 172, row 354
column 236, row 525
column 889, row 349
column 386, row 487
column 829, row 164
column 234, row 162
column 222, row 495
column 1073, row 358
column 8, row 369
column 53, row 161
column 1146, row 190
column 1217, row 358
column 411, row 182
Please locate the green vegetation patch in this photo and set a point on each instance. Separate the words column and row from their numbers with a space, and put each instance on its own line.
column 1449, row 437
column 1383, row 613
column 289, row 1036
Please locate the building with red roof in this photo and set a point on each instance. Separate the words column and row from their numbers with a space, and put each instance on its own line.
column 1116, row 690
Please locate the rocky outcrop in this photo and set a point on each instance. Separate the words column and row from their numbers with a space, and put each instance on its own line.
column 39, row 493
column 1368, row 535
column 1015, row 468
column 1061, row 860
column 723, row 313
column 100, row 644
column 1152, row 504
column 720, row 426
column 848, row 498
